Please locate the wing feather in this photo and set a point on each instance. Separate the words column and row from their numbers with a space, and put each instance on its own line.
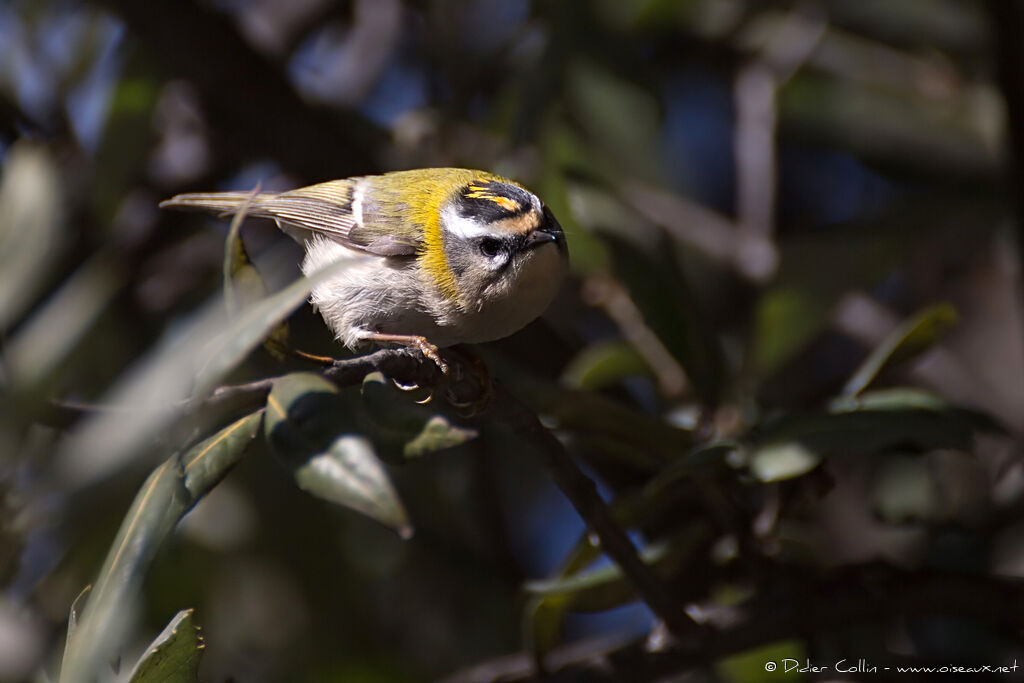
column 324, row 209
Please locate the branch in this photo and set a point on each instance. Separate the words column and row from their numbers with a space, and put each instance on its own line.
column 410, row 367
column 582, row 493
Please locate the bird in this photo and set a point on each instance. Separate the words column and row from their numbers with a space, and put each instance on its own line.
column 436, row 256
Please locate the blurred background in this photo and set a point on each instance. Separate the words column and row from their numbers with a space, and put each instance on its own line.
column 790, row 352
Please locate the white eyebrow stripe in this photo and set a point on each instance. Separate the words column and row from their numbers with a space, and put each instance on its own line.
column 465, row 227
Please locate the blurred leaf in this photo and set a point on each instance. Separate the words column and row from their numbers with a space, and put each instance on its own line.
column 910, row 339
column 543, row 621
column 905, row 490
column 254, row 324
column 603, row 101
column 305, row 427
column 187, row 363
column 786, row 318
column 778, row 461
column 902, row 398
column 603, row 364
column 243, row 284
column 57, row 326
column 588, row 254
column 591, row 414
column 168, row 494
column 753, row 666
column 174, row 656
column 670, row 310
column 30, row 218
column 870, row 431
column 605, row 588
column 598, row 589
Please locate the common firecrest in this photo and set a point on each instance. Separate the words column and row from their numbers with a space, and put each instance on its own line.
column 439, row 256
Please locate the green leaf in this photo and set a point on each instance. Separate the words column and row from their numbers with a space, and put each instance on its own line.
column 111, row 606
column 209, row 461
column 908, row 340
column 174, row 656
column 401, row 426
column 306, row 427
column 786, row 318
column 763, row 664
column 350, row 474
column 168, row 494
column 438, row 433
column 602, row 364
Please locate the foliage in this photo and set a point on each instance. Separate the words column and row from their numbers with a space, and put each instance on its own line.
column 788, row 354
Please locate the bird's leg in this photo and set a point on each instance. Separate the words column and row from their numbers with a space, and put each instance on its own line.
column 413, row 340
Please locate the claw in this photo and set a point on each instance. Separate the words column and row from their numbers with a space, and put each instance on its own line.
column 405, row 387
column 428, row 399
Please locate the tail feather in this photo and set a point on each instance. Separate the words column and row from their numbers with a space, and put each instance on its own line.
column 218, row 202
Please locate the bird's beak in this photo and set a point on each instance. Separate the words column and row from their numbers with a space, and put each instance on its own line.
column 541, row 236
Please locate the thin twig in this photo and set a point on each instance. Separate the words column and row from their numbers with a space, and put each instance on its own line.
column 582, row 493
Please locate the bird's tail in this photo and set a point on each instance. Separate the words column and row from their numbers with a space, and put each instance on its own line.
column 224, row 203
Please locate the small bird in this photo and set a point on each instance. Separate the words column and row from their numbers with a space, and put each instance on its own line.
column 439, row 256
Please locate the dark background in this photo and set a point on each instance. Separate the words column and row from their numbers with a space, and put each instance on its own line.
column 756, row 195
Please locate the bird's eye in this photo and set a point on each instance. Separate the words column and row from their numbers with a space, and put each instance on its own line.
column 490, row 247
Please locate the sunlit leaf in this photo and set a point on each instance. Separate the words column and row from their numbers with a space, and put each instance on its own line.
column 209, row 461
column 173, row 657
column 30, row 217
column 350, row 474
column 778, row 461
column 110, row 608
column 169, row 492
column 910, row 339
column 308, row 427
